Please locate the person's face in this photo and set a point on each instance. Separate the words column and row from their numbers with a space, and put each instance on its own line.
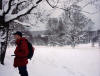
column 17, row 37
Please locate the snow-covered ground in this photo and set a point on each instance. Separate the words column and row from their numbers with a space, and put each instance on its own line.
column 83, row 60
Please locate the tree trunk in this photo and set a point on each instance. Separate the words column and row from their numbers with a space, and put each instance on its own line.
column 0, row 4
column 73, row 44
column 4, row 38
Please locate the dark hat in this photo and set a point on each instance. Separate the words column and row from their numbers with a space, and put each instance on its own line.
column 18, row 33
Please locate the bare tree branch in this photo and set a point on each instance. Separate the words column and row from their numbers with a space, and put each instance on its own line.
column 71, row 8
column 38, row 1
column 90, row 12
column 90, row 2
column 21, row 13
column 9, row 6
column 23, row 23
column 10, row 17
column 1, row 12
column 0, row 4
column 15, row 6
column 18, row 3
column 53, row 6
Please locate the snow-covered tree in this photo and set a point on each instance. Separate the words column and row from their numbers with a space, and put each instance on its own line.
column 55, row 31
column 99, row 38
column 11, row 10
column 74, row 23
column 14, row 10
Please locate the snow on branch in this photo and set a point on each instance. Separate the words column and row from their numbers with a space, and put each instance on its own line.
column 23, row 23
column 20, row 13
column 10, row 17
column 19, row 2
column 1, row 12
column 8, row 6
column 26, row 25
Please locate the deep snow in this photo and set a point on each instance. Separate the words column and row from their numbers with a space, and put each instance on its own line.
column 84, row 60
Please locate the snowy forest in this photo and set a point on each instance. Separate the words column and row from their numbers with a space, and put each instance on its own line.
column 50, row 23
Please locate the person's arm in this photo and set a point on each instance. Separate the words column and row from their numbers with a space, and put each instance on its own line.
column 23, row 51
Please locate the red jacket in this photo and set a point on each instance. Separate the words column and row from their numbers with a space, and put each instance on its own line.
column 21, row 52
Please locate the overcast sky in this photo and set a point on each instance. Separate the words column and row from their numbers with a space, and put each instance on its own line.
column 93, row 12
column 92, row 9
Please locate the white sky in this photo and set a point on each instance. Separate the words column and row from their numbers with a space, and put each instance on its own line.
column 92, row 9
column 57, row 12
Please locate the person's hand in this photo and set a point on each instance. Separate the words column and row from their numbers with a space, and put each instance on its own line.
column 14, row 66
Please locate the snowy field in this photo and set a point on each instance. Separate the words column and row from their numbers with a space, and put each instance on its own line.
column 84, row 60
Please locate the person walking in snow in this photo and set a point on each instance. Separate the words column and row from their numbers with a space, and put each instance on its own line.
column 21, row 52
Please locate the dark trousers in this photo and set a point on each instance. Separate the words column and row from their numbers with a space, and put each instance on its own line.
column 23, row 71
